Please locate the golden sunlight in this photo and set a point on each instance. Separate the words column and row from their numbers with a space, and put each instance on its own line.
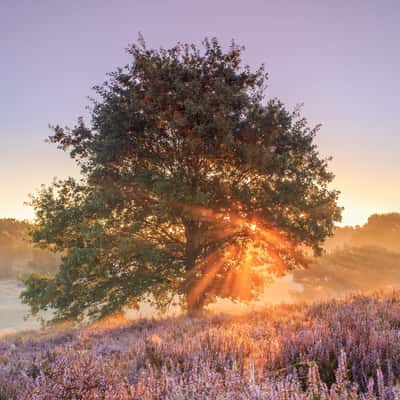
column 252, row 254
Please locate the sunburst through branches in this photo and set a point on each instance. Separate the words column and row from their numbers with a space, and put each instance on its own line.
column 249, row 253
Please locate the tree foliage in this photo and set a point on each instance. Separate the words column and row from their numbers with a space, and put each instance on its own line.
column 194, row 186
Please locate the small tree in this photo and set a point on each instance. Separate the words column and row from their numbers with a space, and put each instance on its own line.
column 193, row 185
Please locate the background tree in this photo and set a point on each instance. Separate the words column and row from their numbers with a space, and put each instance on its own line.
column 357, row 258
column 381, row 230
column 347, row 270
column 193, row 185
column 18, row 258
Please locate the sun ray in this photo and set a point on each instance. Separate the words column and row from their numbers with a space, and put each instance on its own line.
column 254, row 251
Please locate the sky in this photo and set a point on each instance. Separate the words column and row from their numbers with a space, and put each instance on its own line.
column 340, row 59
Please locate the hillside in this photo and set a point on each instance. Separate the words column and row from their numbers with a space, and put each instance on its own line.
column 333, row 350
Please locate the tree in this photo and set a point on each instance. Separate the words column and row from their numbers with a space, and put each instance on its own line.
column 348, row 269
column 380, row 229
column 194, row 186
column 17, row 255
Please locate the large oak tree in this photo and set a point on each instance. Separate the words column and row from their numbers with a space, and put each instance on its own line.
column 194, row 186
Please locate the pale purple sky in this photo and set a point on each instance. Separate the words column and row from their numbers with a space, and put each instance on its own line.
column 340, row 58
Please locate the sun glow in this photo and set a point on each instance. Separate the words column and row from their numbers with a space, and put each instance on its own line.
column 252, row 253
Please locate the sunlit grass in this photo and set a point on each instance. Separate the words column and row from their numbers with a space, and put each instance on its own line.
column 332, row 350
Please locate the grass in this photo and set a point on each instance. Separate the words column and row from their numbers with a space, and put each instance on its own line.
column 348, row 349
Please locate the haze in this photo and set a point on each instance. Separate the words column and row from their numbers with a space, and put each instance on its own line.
column 340, row 59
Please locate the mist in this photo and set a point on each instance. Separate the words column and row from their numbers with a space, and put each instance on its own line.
column 355, row 259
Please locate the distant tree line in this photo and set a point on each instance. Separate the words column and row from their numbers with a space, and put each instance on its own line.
column 18, row 257
column 382, row 230
column 361, row 258
column 357, row 258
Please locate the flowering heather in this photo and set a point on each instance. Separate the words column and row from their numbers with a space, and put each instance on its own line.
column 346, row 349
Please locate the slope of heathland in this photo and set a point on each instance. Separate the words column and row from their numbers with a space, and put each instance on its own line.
column 333, row 350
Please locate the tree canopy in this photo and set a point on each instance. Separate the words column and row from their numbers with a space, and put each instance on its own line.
column 194, row 186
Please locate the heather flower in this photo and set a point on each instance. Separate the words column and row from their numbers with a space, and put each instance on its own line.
column 340, row 350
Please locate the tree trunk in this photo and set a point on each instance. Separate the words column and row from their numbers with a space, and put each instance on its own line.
column 193, row 233
column 193, row 244
column 195, row 306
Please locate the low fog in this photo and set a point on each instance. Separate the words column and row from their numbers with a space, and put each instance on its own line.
column 361, row 258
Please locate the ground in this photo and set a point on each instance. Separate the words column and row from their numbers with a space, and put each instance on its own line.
column 334, row 350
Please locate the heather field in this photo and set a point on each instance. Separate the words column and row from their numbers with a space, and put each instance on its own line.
column 334, row 350
column 199, row 200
